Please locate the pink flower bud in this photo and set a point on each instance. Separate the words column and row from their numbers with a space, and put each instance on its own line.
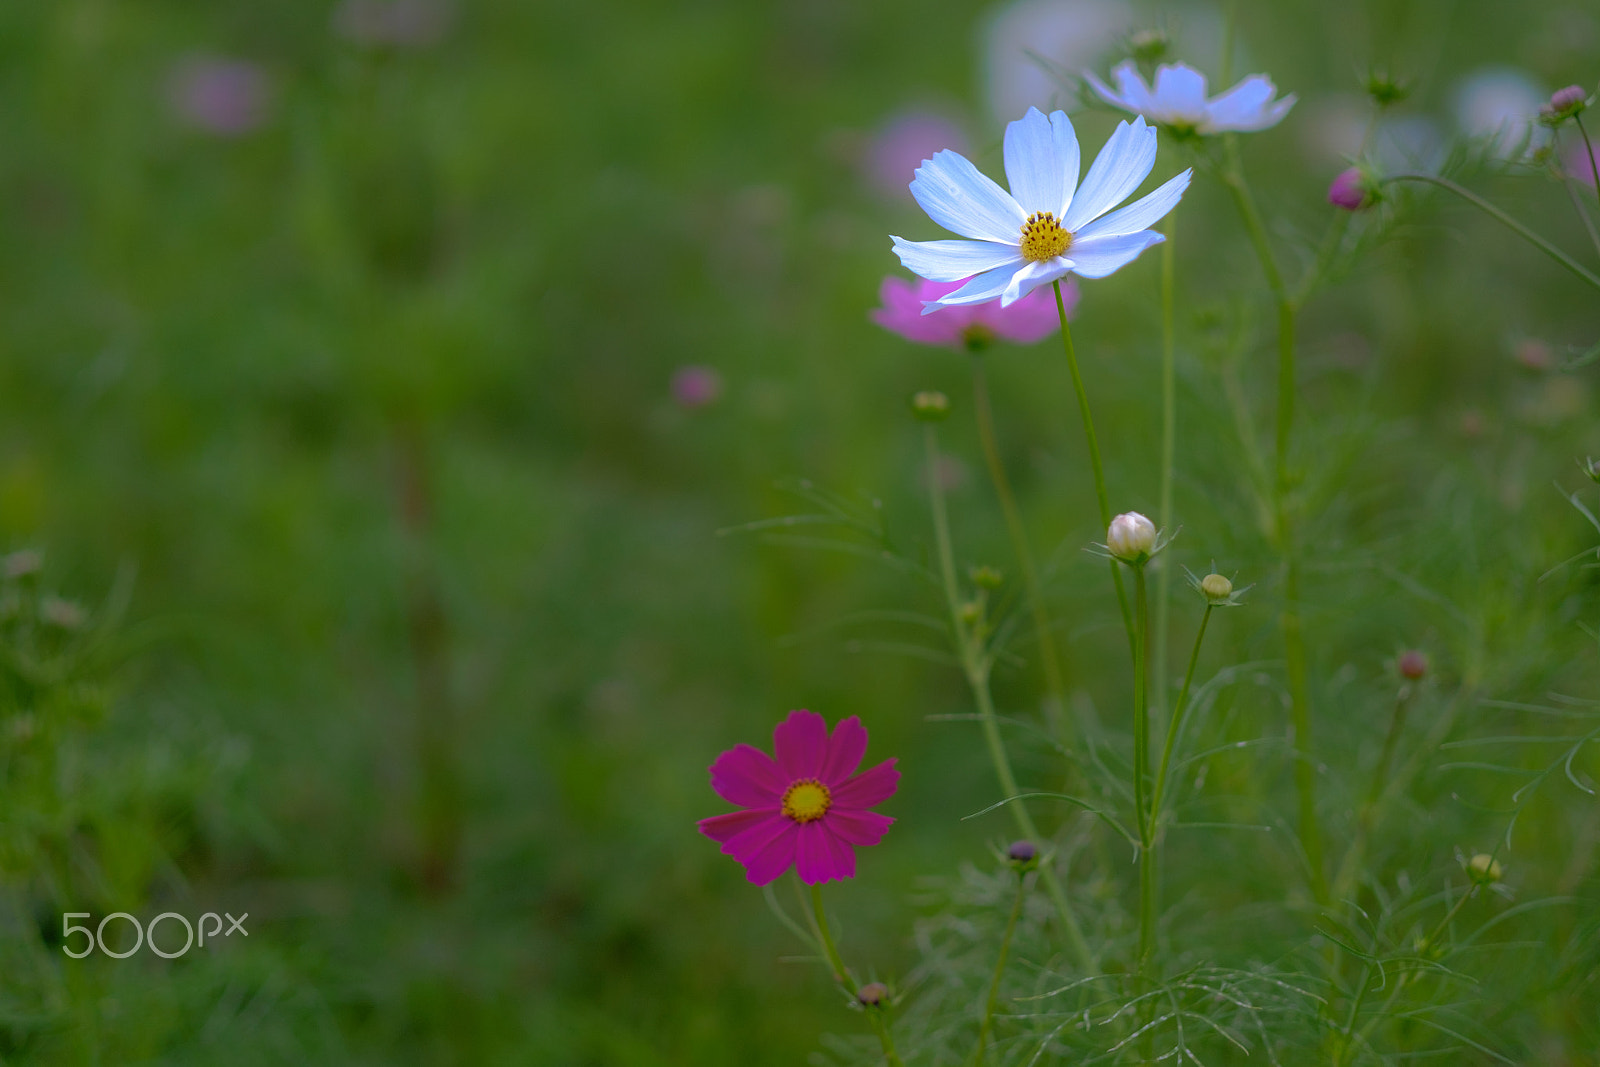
column 1569, row 99
column 1413, row 664
column 694, row 386
column 1349, row 191
column 1131, row 537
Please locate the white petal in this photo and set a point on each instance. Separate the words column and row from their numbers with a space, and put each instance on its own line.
column 1130, row 94
column 980, row 290
column 1034, row 275
column 1118, row 170
column 1139, row 215
column 1260, row 120
column 958, row 197
column 1042, row 161
column 951, row 261
column 1095, row 257
column 1248, row 106
column 1180, row 90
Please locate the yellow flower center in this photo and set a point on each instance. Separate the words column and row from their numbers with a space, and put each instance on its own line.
column 807, row 800
column 1043, row 238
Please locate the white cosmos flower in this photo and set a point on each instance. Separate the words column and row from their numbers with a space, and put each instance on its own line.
column 1048, row 225
column 1179, row 99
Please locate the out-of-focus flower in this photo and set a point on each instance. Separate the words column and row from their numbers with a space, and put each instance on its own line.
column 1500, row 103
column 64, row 614
column 1334, row 128
column 225, row 97
column 1047, row 226
column 1178, row 99
column 1534, row 355
column 973, row 326
column 873, row 994
column 24, row 562
column 1131, row 537
column 1413, row 664
column 393, row 23
column 1563, row 104
column 1581, row 163
column 905, row 141
column 1351, row 190
column 1485, row 869
column 930, row 405
column 695, row 386
column 808, row 808
column 1032, row 47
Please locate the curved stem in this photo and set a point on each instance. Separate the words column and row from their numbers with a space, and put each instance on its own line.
column 1356, row 855
column 1094, row 456
column 841, row 974
column 1594, row 164
column 1000, row 968
column 1169, row 445
column 976, row 668
column 1489, row 209
column 1048, row 661
column 1175, row 725
column 1141, row 761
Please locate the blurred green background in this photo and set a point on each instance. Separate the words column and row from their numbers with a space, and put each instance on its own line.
column 343, row 395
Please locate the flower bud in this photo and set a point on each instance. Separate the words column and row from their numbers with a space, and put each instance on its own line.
column 986, row 577
column 1022, row 853
column 1131, row 537
column 1216, row 587
column 1591, row 467
column 1484, row 869
column 873, row 994
column 1412, row 664
column 1564, row 103
column 1384, row 88
column 930, row 406
column 1350, row 191
column 971, row 613
column 1149, row 46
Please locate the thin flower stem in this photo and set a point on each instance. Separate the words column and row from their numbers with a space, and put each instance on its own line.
column 1421, row 948
column 1141, row 761
column 1577, row 206
column 1000, row 968
column 841, row 974
column 1048, row 660
column 976, row 669
column 1594, row 164
column 1293, row 632
column 1489, row 209
column 1094, row 456
column 1344, row 881
column 1175, row 726
column 1169, row 445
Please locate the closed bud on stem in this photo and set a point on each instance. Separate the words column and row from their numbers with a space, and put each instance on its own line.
column 1384, row 88
column 1022, row 855
column 873, row 995
column 1484, row 869
column 1412, row 665
column 930, row 405
column 971, row 613
column 1216, row 587
column 1131, row 537
column 1564, row 103
column 986, row 577
column 1352, row 190
column 1149, row 46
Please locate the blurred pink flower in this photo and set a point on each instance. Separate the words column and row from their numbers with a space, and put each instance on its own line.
column 1030, row 319
column 394, row 23
column 1348, row 190
column 695, row 386
column 806, row 809
column 1580, row 164
column 226, row 97
column 902, row 143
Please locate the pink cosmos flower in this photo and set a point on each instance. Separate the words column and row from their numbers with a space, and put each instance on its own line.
column 968, row 326
column 217, row 95
column 807, row 808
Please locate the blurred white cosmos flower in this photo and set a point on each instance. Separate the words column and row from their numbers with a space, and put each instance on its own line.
column 1501, row 103
column 1048, row 225
column 1178, row 99
column 1031, row 47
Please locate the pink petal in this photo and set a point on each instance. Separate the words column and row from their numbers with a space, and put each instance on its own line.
column 868, row 788
column 723, row 828
column 845, row 749
column 901, row 312
column 1032, row 318
column 778, row 856
column 801, row 742
column 746, row 776
column 844, row 857
column 816, row 859
column 864, row 828
column 748, row 843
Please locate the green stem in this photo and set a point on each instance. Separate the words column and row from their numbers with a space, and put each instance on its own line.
column 976, row 668
column 1594, row 165
column 1141, row 766
column 1019, row 542
column 1169, row 445
column 1422, row 947
column 1094, row 456
column 1522, row 231
column 1344, row 880
column 841, row 974
column 1000, row 968
column 1293, row 632
column 1175, row 726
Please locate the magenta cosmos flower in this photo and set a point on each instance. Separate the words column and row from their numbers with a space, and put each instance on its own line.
column 806, row 809
column 1028, row 320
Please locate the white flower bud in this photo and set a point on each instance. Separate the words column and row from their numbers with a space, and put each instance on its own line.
column 1131, row 537
column 1484, row 869
column 1216, row 587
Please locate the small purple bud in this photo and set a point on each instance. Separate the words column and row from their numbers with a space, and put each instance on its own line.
column 1569, row 99
column 873, row 994
column 1413, row 664
column 1022, row 852
column 1349, row 191
column 694, row 386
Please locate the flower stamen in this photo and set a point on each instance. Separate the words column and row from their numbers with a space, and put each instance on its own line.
column 1043, row 237
column 806, row 800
